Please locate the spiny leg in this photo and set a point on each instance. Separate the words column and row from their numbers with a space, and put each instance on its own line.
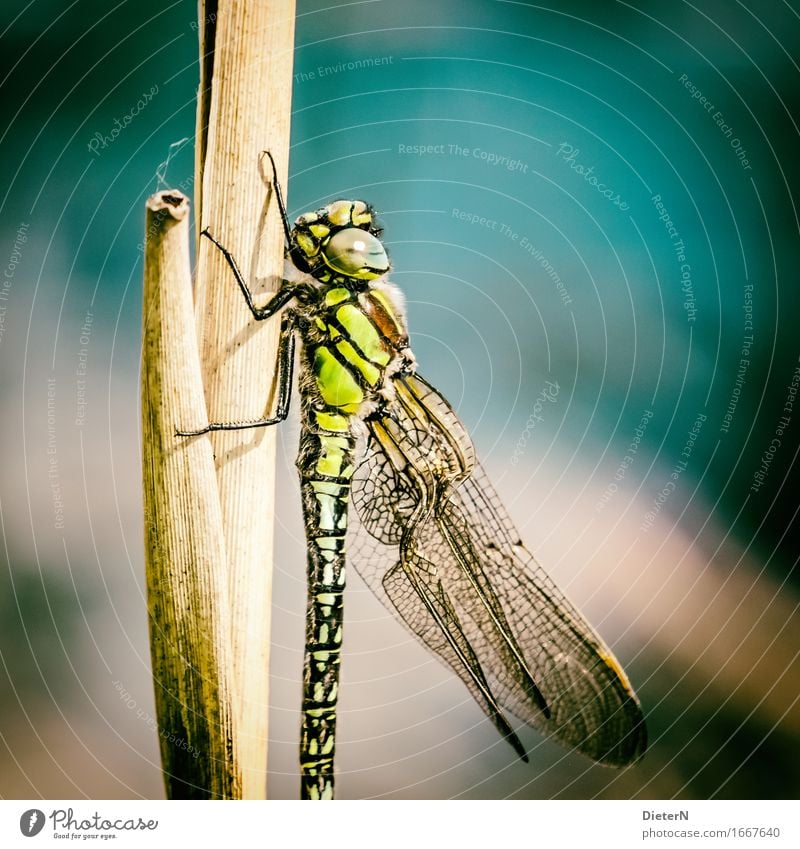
column 286, row 345
column 279, row 299
column 279, row 197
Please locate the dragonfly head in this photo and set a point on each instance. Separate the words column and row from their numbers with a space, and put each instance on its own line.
column 339, row 240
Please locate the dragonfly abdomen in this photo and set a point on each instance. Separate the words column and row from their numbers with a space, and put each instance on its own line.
column 326, row 464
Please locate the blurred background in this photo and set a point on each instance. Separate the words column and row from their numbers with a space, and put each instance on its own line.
column 592, row 209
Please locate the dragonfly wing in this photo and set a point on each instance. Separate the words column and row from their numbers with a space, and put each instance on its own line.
column 591, row 705
column 427, row 610
column 436, row 544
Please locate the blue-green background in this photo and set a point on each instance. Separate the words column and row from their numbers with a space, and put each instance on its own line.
column 700, row 604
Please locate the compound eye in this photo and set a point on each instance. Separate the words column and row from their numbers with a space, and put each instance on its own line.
column 356, row 253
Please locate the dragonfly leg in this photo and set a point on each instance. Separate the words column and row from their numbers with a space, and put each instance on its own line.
column 278, row 300
column 279, row 197
column 286, row 347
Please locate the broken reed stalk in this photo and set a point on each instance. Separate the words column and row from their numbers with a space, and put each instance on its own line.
column 244, row 108
column 187, row 591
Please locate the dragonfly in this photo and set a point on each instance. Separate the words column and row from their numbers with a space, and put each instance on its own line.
column 427, row 531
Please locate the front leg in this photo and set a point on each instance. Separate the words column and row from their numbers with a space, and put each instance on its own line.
column 286, row 345
column 280, row 298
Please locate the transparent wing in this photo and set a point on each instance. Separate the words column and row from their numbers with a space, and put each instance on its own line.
column 434, row 542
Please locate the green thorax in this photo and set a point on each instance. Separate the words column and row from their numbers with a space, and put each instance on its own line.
column 353, row 338
column 354, row 332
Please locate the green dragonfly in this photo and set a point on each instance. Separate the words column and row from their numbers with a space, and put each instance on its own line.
column 428, row 533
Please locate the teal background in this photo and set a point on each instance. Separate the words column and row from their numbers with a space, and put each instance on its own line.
column 700, row 602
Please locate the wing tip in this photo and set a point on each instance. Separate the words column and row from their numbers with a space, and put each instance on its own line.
column 516, row 743
column 630, row 748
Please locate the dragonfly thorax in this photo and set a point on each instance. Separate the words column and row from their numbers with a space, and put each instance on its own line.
column 339, row 242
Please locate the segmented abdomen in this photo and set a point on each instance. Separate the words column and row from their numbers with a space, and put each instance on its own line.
column 326, row 465
column 351, row 341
